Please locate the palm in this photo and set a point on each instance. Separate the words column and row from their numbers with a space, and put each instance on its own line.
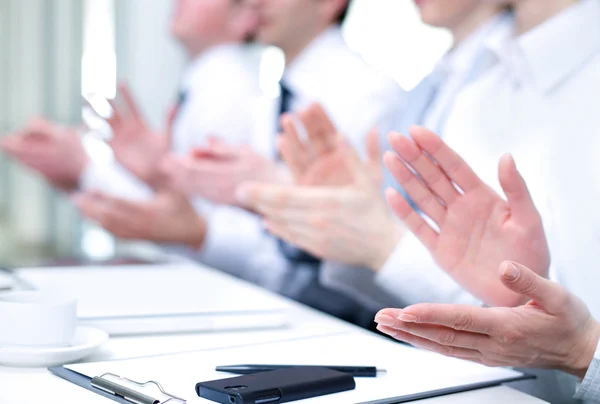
column 328, row 170
column 139, row 150
column 480, row 232
column 135, row 146
column 477, row 228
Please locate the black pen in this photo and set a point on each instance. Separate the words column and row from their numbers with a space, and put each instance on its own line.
column 356, row 371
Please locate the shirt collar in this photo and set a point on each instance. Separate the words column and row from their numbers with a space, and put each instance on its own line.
column 226, row 53
column 461, row 59
column 550, row 53
column 301, row 73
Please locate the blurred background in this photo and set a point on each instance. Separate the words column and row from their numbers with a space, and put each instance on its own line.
column 53, row 52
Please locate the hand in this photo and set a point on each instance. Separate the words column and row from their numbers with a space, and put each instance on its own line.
column 53, row 151
column 351, row 224
column 321, row 161
column 168, row 218
column 553, row 330
column 477, row 228
column 134, row 144
column 214, row 172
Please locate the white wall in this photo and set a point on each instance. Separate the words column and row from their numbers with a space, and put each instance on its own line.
column 389, row 35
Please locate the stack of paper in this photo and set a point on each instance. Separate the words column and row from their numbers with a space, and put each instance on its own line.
column 161, row 298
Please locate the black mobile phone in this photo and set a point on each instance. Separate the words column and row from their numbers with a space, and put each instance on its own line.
column 277, row 386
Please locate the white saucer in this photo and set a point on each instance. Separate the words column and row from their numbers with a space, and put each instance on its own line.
column 85, row 342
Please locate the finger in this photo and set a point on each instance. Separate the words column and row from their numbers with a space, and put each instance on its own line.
column 549, row 295
column 444, row 335
column 516, row 191
column 422, row 196
column 459, row 317
column 115, row 118
column 415, row 223
column 217, row 150
column 171, row 118
column 374, row 155
column 455, row 352
column 426, row 169
column 449, row 161
column 270, row 196
column 320, row 129
column 130, row 104
column 292, row 150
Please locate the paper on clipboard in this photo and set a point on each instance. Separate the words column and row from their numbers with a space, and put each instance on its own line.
column 409, row 371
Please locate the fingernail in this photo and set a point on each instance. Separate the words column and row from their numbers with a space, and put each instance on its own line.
column 510, row 272
column 384, row 319
column 408, row 318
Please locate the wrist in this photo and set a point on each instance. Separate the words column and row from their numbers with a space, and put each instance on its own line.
column 582, row 357
column 395, row 234
column 197, row 235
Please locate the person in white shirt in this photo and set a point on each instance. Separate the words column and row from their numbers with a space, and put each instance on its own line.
column 539, row 104
column 213, row 34
column 319, row 67
column 356, row 233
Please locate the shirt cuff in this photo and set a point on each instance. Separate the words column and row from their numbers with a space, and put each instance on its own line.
column 590, row 387
column 411, row 274
column 237, row 243
column 115, row 180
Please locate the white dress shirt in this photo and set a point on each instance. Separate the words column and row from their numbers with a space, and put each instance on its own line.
column 357, row 97
column 400, row 283
column 216, row 83
column 589, row 390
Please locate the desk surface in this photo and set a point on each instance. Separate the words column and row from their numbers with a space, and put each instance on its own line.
column 26, row 386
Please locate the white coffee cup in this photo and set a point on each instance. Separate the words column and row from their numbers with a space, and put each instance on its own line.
column 37, row 319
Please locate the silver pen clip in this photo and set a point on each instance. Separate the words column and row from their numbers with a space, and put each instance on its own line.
column 133, row 396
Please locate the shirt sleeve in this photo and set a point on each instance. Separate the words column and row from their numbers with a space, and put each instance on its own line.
column 412, row 275
column 589, row 390
column 113, row 179
column 236, row 242
column 358, row 282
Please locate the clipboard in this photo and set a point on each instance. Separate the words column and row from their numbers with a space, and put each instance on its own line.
column 123, row 390
column 412, row 374
column 117, row 388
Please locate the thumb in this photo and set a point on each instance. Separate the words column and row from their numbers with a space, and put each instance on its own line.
column 374, row 154
column 516, row 191
column 525, row 282
column 171, row 118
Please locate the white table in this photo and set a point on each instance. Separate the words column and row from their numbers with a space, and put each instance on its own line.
column 28, row 386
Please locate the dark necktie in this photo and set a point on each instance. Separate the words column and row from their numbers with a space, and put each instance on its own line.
column 292, row 253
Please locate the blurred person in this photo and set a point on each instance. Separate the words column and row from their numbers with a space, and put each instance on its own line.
column 543, row 86
column 319, row 67
column 214, row 35
column 356, row 232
